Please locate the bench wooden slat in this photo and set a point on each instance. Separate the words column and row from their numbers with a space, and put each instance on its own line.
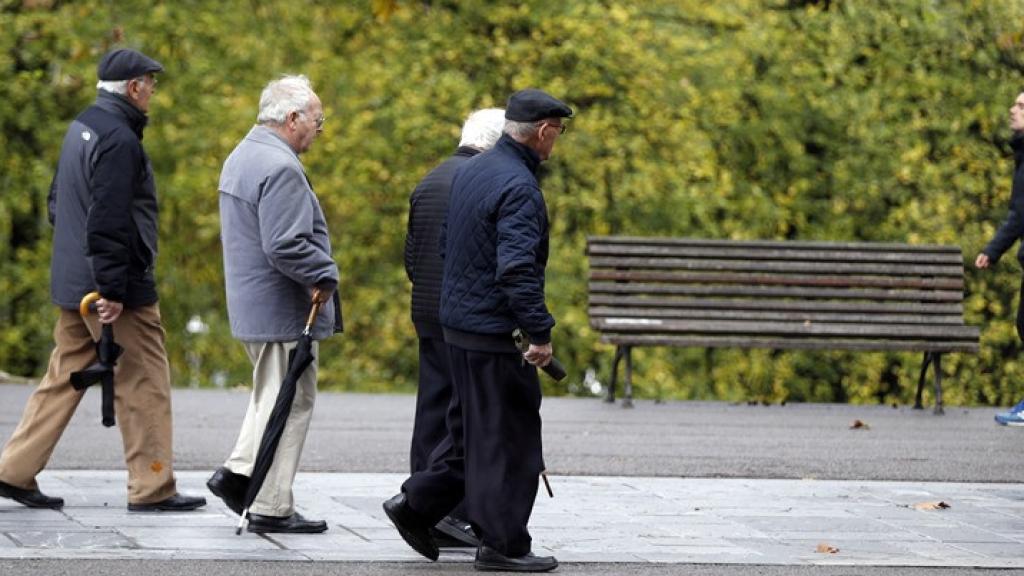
column 777, row 292
column 778, row 295
column 783, row 244
column 765, row 304
column 774, row 253
column 789, row 344
column 794, row 329
column 596, row 312
column 831, row 268
column 946, row 283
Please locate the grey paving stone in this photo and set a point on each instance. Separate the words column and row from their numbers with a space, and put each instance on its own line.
column 87, row 540
column 593, row 519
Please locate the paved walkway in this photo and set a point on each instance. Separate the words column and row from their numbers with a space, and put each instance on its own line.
column 591, row 519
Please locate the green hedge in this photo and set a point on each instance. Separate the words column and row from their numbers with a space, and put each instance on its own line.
column 746, row 119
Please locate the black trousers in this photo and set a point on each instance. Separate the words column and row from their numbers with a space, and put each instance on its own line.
column 434, row 407
column 492, row 457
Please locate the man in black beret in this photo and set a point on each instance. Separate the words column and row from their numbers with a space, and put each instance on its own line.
column 103, row 206
column 495, row 248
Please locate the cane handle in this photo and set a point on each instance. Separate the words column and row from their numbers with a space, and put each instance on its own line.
column 83, row 306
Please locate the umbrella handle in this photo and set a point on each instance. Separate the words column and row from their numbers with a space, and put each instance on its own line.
column 83, row 306
column 314, row 310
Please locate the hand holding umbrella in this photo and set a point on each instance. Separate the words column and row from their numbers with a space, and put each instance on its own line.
column 298, row 360
column 102, row 371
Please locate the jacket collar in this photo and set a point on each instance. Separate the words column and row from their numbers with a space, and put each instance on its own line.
column 122, row 106
column 1017, row 143
column 266, row 135
column 528, row 155
column 467, row 151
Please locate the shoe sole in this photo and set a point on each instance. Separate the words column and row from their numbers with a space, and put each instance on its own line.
column 151, row 508
column 29, row 504
column 427, row 553
column 259, row 530
column 219, row 494
column 488, row 567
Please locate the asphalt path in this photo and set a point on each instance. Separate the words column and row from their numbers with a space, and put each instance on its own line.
column 585, row 436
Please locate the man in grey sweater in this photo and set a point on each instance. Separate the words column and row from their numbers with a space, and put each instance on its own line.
column 277, row 259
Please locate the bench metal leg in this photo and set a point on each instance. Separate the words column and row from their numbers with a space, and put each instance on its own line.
column 610, row 397
column 938, row 383
column 627, row 400
column 920, row 381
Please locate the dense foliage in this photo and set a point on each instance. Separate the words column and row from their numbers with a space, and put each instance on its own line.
column 772, row 119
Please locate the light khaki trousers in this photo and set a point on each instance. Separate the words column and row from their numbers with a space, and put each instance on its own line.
column 142, row 401
column 270, row 363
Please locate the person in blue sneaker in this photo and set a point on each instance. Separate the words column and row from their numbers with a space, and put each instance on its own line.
column 1009, row 232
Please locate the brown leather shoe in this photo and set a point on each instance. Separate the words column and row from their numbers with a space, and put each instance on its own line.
column 30, row 498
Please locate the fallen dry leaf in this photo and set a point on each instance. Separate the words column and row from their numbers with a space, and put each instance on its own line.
column 859, row 425
column 940, row 505
column 824, row 548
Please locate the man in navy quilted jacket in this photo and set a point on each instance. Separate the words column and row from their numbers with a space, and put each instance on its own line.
column 495, row 252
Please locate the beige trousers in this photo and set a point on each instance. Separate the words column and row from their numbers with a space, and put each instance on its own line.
column 270, row 363
column 142, row 401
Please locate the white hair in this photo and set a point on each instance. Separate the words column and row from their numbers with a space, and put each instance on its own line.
column 483, row 128
column 116, row 86
column 282, row 97
column 521, row 130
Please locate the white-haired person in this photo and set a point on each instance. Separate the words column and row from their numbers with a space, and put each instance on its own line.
column 103, row 206
column 428, row 205
column 277, row 259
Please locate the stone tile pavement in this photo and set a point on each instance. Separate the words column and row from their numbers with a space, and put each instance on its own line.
column 591, row 519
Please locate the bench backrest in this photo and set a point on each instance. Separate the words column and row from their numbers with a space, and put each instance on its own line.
column 781, row 294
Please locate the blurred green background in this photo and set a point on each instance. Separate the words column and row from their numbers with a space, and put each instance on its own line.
column 744, row 119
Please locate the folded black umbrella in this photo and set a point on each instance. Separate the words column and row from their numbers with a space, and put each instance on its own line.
column 298, row 360
column 101, row 371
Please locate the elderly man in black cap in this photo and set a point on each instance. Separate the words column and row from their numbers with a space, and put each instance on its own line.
column 495, row 252
column 103, row 207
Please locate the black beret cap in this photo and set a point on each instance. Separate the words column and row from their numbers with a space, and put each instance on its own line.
column 531, row 105
column 125, row 64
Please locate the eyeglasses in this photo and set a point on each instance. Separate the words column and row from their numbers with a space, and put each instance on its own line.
column 561, row 127
column 319, row 121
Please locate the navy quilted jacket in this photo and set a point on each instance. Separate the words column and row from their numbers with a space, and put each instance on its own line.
column 496, row 246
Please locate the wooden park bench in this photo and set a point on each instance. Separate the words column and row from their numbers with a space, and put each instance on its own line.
column 779, row 295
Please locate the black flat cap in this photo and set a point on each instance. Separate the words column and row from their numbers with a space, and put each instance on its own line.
column 531, row 105
column 125, row 64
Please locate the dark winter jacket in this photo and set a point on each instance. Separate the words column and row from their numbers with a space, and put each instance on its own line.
column 103, row 207
column 1013, row 227
column 427, row 208
column 496, row 247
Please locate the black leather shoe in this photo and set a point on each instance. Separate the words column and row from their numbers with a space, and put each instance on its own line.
column 488, row 558
column 452, row 532
column 294, row 524
column 176, row 503
column 229, row 487
column 409, row 525
column 30, row 498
